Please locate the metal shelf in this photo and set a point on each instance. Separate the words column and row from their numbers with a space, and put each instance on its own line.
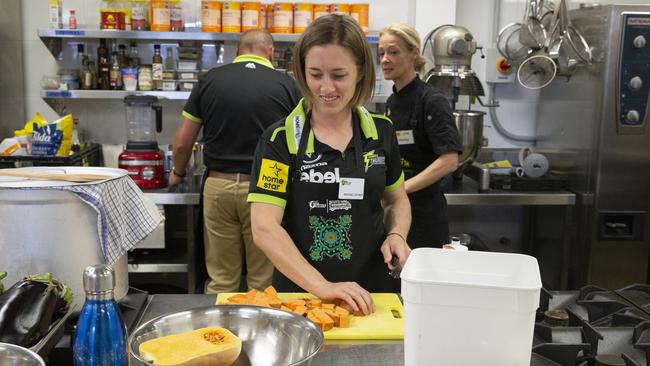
column 111, row 94
column 158, row 268
column 158, row 36
column 120, row 94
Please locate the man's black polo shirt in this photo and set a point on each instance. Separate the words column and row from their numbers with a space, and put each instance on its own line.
column 339, row 237
column 236, row 103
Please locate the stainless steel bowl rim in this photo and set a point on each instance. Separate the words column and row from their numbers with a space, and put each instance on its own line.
column 261, row 309
column 462, row 112
column 24, row 350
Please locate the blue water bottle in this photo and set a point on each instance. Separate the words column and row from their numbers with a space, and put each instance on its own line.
column 100, row 339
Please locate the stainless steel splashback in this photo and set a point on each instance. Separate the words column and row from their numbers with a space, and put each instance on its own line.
column 594, row 129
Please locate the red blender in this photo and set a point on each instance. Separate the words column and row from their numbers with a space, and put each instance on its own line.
column 142, row 158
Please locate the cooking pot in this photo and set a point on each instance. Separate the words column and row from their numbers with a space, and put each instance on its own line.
column 47, row 230
column 470, row 131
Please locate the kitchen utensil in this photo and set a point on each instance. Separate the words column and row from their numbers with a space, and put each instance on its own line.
column 50, row 230
column 532, row 32
column 509, row 44
column 470, row 131
column 457, row 301
column 56, row 176
column 12, row 355
column 536, row 72
column 385, row 323
column 269, row 336
column 533, row 165
column 574, row 38
column 397, row 268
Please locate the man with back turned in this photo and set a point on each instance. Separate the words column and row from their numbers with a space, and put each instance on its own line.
column 233, row 104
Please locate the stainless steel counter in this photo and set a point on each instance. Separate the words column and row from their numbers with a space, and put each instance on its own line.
column 464, row 194
column 333, row 353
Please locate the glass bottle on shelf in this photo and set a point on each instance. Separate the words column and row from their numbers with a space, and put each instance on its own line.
column 82, row 62
column 170, row 62
column 72, row 20
column 100, row 337
column 121, row 56
column 134, row 58
column 104, row 66
column 140, row 15
column 176, row 17
column 115, row 74
column 157, row 67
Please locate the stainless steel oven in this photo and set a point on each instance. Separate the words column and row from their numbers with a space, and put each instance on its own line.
column 593, row 126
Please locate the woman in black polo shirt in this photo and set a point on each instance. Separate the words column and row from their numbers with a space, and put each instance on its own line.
column 427, row 135
column 321, row 175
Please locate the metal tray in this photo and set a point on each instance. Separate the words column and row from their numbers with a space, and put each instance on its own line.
column 45, row 345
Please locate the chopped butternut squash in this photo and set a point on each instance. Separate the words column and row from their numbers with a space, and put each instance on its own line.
column 325, row 314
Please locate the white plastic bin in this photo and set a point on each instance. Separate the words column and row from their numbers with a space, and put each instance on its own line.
column 469, row 308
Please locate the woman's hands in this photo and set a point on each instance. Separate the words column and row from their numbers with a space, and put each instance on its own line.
column 354, row 295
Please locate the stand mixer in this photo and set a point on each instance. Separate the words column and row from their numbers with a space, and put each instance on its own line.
column 449, row 50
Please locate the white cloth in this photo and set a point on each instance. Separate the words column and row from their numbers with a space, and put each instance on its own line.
column 124, row 215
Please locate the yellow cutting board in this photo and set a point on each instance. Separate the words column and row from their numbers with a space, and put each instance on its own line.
column 387, row 322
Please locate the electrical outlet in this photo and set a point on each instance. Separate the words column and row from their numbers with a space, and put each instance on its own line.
column 497, row 70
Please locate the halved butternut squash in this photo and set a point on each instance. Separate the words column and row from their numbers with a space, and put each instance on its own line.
column 205, row 346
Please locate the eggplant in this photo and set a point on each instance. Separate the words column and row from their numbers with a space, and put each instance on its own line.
column 30, row 306
column 2, row 276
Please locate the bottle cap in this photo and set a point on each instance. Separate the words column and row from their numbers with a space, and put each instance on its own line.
column 99, row 278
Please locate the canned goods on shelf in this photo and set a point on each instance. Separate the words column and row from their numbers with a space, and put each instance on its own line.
column 211, row 16
column 303, row 15
column 231, row 17
column 282, row 18
column 250, row 15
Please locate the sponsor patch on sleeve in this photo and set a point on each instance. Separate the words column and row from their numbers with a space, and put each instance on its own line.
column 273, row 176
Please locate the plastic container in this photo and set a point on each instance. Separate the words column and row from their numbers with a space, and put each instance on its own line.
column 160, row 15
column 469, row 308
column 231, row 17
column 211, row 16
column 320, row 10
column 250, row 15
column 360, row 13
column 303, row 15
column 282, row 18
column 340, row 8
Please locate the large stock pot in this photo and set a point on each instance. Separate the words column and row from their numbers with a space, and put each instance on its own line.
column 47, row 230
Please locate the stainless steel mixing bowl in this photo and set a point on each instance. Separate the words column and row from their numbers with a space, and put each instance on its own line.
column 12, row 355
column 269, row 336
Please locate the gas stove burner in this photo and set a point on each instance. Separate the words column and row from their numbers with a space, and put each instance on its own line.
column 556, row 317
column 608, row 360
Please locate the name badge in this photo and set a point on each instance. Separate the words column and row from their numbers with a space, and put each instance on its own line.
column 351, row 188
column 405, row 137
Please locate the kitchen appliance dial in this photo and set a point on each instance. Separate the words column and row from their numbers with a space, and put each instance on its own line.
column 635, row 83
column 632, row 116
column 639, row 42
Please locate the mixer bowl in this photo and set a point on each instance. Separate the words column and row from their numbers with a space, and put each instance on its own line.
column 470, row 131
column 269, row 336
